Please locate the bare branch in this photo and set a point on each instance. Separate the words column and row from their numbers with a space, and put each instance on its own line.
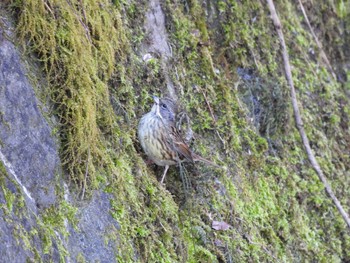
column 319, row 45
column 298, row 120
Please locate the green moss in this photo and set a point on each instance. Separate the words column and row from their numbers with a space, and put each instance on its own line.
column 3, row 171
column 78, row 56
column 267, row 192
column 266, row 201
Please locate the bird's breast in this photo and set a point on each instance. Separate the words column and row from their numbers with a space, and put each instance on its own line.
column 153, row 137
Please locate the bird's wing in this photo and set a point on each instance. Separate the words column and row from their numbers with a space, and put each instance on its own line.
column 177, row 143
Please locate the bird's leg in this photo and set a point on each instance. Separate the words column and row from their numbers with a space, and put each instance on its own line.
column 149, row 161
column 164, row 174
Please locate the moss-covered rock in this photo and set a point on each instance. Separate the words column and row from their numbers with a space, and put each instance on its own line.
column 100, row 65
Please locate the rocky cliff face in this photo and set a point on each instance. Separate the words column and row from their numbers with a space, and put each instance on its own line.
column 76, row 76
column 33, row 188
column 28, row 153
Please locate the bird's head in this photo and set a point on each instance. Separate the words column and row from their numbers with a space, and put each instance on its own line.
column 164, row 108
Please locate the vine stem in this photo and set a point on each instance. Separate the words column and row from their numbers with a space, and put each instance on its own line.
column 298, row 120
column 319, row 45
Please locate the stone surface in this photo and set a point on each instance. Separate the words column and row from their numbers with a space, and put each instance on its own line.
column 27, row 144
column 158, row 45
column 27, row 151
column 30, row 155
column 95, row 224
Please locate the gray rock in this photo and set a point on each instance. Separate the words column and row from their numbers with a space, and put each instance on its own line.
column 95, row 224
column 27, row 144
column 29, row 153
column 154, row 25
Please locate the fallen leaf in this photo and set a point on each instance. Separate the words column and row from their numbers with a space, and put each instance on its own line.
column 220, row 225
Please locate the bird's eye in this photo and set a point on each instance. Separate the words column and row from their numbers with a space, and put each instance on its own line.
column 164, row 106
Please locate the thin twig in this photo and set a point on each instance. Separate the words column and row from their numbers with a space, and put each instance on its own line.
column 211, row 113
column 48, row 8
column 319, row 45
column 83, row 11
column 207, row 102
column 87, row 32
column 85, row 21
column 298, row 120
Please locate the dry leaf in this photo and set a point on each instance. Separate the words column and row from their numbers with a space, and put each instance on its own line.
column 220, row 225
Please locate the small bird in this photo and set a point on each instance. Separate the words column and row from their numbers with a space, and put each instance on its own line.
column 161, row 140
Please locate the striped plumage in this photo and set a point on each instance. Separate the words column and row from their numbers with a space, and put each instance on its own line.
column 154, row 137
column 160, row 139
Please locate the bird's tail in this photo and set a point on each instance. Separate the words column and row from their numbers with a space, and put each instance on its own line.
column 197, row 158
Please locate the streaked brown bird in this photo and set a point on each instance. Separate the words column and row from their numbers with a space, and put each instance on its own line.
column 160, row 139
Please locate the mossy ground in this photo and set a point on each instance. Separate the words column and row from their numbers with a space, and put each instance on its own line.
column 99, row 87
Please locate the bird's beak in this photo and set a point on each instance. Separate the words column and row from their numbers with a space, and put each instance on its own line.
column 156, row 103
column 156, row 100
